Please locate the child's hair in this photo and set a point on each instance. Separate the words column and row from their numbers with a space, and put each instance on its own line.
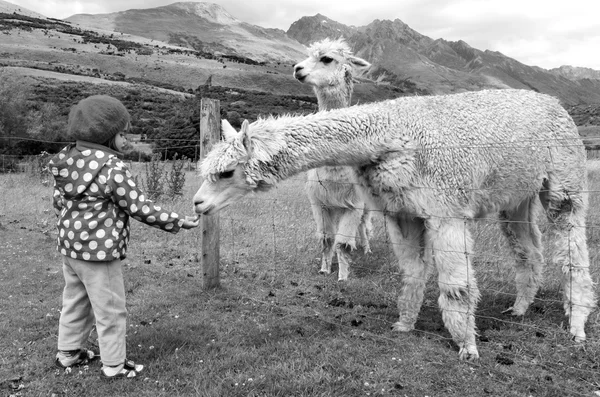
column 111, row 142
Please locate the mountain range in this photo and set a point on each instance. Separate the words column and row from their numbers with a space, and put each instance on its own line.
column 403, row 59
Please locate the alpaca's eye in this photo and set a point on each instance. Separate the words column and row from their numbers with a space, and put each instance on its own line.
column 326, row 60
column 226, row 174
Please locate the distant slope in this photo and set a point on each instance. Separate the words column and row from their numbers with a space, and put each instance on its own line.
column 70, row 50
column 203, row 26
column 10, row 8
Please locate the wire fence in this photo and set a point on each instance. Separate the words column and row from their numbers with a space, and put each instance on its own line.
column 276, row 231
column 289, row 233
column 494, row 263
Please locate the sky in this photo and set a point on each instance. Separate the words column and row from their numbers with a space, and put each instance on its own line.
column 545, row 33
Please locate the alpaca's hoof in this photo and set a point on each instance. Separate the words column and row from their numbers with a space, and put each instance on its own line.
column 468, row 353
column 520, row 307
column 579, row 339
column 515, row 311
column 402, row 327
column 325, row 268
column 578, row 334
column 343, row 275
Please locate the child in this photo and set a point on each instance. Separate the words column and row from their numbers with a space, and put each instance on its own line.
column 94, row 196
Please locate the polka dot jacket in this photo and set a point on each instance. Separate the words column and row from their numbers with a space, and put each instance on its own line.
column 94, row 196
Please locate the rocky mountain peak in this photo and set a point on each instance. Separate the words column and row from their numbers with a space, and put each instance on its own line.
column 210, row 11
column 575, row 72
column 397, row 31
column 307, row 30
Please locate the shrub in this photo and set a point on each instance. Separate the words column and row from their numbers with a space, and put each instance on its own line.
column 153, row 185
column 176, row 177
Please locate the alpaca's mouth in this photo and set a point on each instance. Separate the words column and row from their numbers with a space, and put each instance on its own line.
column 203, row 211
column 300, row 78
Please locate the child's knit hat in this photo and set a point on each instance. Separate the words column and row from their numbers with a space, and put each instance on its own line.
column 97, row 119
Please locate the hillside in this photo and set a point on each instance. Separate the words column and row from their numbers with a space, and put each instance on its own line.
column 63, row 47
column 401, row 56
column 205, row 27
column 10, row 8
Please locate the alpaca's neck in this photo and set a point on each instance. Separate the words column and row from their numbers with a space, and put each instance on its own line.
column 334, row 97
column 341, row 137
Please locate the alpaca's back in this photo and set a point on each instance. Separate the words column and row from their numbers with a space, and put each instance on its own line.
column 490, row 148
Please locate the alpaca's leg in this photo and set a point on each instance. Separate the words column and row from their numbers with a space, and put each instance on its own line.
column 524, row 238
column 452, row 249
column 406, row 236
column 324, row 234
column 345, row 239
column 566, row 212
column 365, row 229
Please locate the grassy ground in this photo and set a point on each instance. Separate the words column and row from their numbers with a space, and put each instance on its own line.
column 276, row 327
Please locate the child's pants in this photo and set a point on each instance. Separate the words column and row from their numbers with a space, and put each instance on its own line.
column 94, row 290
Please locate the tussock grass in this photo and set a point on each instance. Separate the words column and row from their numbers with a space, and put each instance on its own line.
column 276, row 327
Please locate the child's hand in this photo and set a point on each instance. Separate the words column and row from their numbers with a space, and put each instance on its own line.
column 191, row 222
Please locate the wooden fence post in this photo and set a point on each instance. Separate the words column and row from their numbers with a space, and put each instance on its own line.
column 210, row 133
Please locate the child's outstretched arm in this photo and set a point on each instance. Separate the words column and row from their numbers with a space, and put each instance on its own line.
column 133, row 201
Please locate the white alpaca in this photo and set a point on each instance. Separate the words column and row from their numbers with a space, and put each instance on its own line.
column 336, row 199
column 433, row 164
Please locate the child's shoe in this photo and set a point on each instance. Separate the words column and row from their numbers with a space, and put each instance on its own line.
column 69, row 358
column 128, row 369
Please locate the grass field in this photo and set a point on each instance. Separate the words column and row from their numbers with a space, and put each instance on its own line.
column 276, row 327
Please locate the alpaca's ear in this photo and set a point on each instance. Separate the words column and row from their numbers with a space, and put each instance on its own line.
column 359, row 65
column 228, row 131
column 244, row 134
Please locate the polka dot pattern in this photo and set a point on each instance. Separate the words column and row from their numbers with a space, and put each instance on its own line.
column 94, row 196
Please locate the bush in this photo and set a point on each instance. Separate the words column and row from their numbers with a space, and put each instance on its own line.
column 176, row 177
column 153, row 185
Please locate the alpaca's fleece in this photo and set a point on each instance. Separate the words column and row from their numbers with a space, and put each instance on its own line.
column 433, row 164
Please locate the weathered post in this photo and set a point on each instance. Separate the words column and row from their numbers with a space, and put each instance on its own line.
column 210, row 133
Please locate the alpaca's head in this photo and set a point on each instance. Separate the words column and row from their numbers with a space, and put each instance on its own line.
column 239, row 164
column 330, row 63
column 223, row 171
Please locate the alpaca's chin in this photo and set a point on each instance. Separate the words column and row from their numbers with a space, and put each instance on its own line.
column 204, row 210
column 211, row 210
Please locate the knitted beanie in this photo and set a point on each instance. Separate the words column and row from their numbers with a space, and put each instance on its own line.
column 97, row 119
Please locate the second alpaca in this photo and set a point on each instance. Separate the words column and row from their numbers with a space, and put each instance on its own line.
column 337, row 200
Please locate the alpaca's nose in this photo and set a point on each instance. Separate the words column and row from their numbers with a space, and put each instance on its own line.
column 298, row 68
